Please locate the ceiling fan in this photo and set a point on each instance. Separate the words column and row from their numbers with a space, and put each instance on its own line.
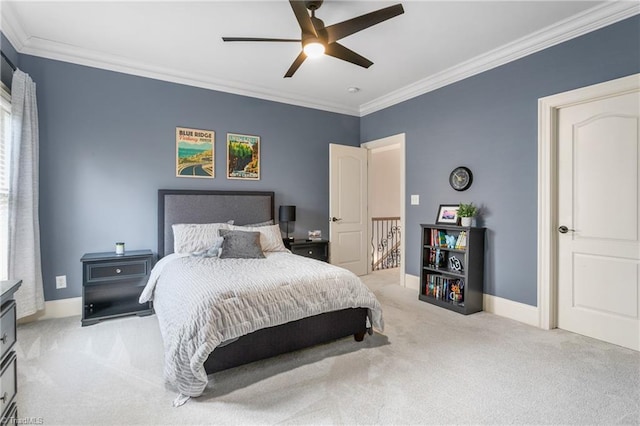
column 317, row 39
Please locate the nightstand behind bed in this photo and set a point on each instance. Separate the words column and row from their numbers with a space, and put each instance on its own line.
column 314, row 249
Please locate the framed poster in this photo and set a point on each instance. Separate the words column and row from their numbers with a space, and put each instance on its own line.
column 243, row 157
column 194, row 153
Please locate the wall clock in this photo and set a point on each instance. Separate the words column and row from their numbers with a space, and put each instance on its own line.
column 460, row 178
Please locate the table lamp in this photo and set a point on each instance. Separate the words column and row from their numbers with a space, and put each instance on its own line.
column 287, row 214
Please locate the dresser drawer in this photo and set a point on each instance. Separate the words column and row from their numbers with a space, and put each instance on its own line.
column 117, row 270
column 7, row 327
column 8, row 382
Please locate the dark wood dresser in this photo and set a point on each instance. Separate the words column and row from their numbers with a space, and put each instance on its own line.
column 8, row 363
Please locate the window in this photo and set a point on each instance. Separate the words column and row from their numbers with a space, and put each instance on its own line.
column 5, row 162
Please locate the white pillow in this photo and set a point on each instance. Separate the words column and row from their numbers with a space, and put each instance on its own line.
column 270, row 236
column 196, row 237
column 265, row 223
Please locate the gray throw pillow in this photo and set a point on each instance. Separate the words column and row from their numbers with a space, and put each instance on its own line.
column 240, row 245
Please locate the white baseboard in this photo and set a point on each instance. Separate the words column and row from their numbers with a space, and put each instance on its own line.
column 56, row 309
column 412, row 282
column 509, row 309
column 496, row 305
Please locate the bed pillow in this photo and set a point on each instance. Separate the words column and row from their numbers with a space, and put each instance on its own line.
column 265, row 223
column 213, row 251
column 240, row 245
column 270, row 236
column 195, row 237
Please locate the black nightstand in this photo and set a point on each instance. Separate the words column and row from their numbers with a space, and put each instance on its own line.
column 112, row 284
column 314, row 249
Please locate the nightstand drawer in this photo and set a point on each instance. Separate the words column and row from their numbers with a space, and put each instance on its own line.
column 7, row 327
column 117, row 270
column 8, row 382
column 313, row 250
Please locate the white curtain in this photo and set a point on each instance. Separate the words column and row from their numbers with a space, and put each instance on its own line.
column 24, row 225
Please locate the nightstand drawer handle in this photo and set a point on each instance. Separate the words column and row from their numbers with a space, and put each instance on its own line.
column 118, row 270
column 310, row 251
column 3, row 339
column 3, row 398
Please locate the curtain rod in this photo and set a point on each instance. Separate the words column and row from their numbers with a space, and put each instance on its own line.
column 13, row 67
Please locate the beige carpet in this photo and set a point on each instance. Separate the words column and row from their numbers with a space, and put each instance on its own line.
column 431, row 366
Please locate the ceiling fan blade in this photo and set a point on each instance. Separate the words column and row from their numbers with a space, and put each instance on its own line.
column 304, row 20
column 295, row 65
column 342, row 29
column 258, row 39
column 339, row 51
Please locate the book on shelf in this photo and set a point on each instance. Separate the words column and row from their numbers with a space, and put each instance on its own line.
column 437, row 258
column 461, row 242
column 444, row 288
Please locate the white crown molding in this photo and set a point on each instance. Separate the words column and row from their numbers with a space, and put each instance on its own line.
column 11, row 28
column 35, row 46
column 76, row 55
column 575, row 26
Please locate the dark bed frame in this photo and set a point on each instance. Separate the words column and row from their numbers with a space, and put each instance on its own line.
column 246, row 207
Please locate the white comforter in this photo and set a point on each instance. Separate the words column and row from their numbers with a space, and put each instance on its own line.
column 204, row 301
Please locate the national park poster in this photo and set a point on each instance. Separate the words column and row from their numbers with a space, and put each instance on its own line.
column 194, row 153
column 243, row 157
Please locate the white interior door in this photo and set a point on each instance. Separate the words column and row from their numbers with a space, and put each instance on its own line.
column 348, row 207
column 598, row 195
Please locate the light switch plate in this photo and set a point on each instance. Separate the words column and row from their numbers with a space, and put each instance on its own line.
column 415, row 200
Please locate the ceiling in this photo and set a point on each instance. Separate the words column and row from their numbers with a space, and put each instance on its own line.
column 432, row 44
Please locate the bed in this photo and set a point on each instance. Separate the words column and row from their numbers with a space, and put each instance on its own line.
column 250, row 207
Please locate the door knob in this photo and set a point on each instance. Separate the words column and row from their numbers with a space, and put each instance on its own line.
column 335, row 219
column 563, row 229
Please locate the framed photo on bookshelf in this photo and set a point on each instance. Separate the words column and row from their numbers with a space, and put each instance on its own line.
column 448, row 213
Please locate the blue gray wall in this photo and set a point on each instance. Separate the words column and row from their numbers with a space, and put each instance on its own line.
column 107, row 144
column 489, row 123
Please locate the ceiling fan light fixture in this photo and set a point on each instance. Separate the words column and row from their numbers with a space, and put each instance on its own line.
column 313, row 49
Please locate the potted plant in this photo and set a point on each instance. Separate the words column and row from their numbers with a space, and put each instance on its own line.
column 466, row 213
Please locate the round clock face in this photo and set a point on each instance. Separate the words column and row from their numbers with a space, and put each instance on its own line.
column 460, row 178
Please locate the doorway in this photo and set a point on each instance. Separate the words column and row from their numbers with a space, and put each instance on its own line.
column 386, row 210
column 350, row 215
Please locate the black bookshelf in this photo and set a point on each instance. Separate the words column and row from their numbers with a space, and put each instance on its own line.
column 441, row 282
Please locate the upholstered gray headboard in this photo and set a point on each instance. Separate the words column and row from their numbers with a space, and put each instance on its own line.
column 195, row 206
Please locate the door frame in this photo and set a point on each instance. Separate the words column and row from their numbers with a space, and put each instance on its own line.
column 548, row 108
column 398, row 139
